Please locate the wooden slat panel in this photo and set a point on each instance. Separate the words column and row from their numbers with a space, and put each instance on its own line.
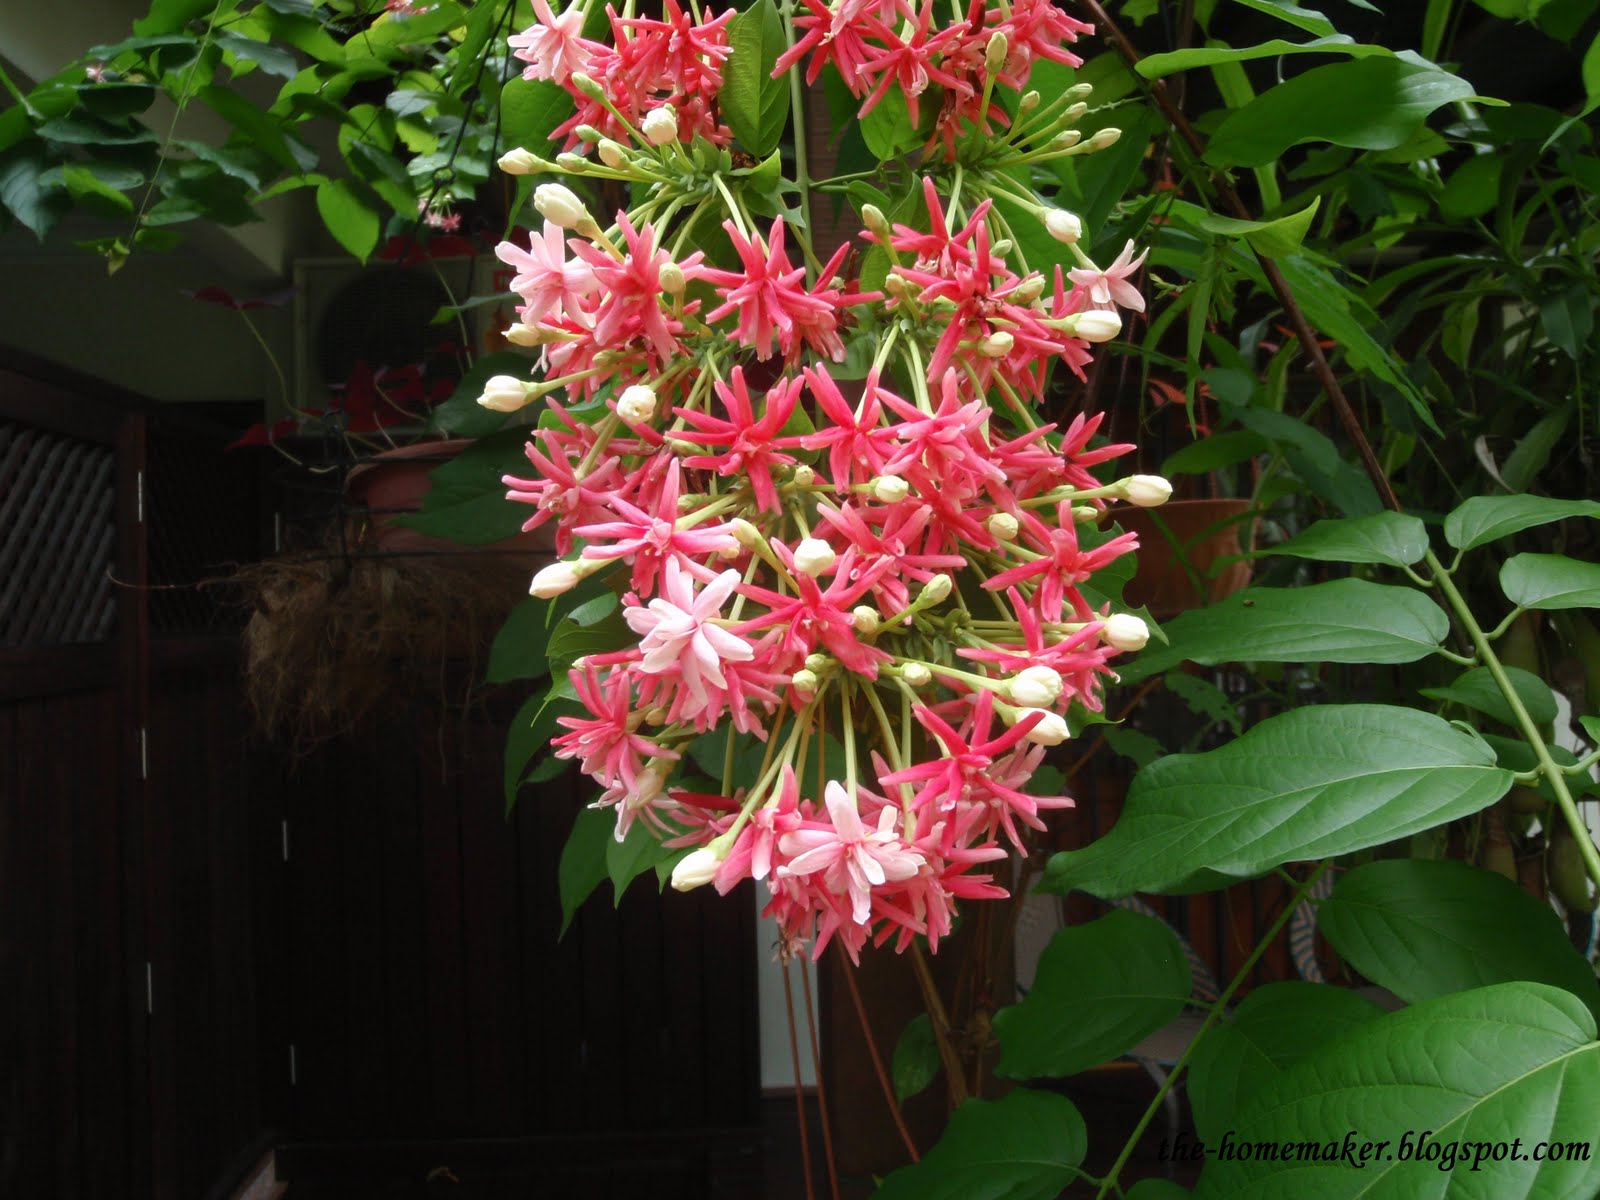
column 437, row 749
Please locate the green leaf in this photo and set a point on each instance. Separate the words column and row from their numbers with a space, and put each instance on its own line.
column 82, row 183
column 1308, row 784
column 1141, row 748
column 755, row 105
column 1532, row 451
column 265, row 131
column 530, row 111
column 240, row 164
column 1273, row 239
column 466, row 500
column 583, row 860
column 1478, row 691
column 1428, row 927
column 887, row 128
column 570, row 641
column 1307, row 19
column 349, row 217
column 1215, row 452
column 166, row 17
column 1315, row 459
column 1385, row 537
column 1517, row 1060
column 112, row 100
column 1568, row 319
column 1550, row 581
column 1369, row 104
column 630, row 858
column 1473, row 188
column 1345, row 620
column 916, row 1058
column 1025, row 1146
column 274, row 60
column 1204, row 698
column 1158, row 66
column 1591, row 726
column 1275, row 1027
column 24, row 194
column 531, row 731
column 1101, row 989
column 519, row 648
column 1484, row 519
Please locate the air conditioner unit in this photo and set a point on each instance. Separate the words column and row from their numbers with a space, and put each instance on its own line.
column 384, row 314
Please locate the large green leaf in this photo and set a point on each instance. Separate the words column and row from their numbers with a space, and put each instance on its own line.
column 530, row 111
column 1308, row 784
column 1273, row 239
column 349, row 217
column 466, row 500
column 1275, row 1027
column 1344, row 620
column 1025, row 1146
column 1514, row 1061
column 1477, row 690
column 1428, row 927
column 1157, row 66
column 461, row 414
column 519, row 648
column 1386, row 537
column 583, row 860
column 1101, row 989
column 1314, row 457
column 1369, row 104
column 1550, row 581
column 755, row 105
column 1484, row 519
column 23, row 192
column 916, row 1058
column 887, row 128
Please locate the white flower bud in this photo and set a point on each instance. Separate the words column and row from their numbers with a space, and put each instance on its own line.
column 558, row 204
column 804, row 682
column 695, row 869
column 1037, row 686
column 813, row 556
column 1029, row 290
column 1085, row 514
column 994, row 54
column 506, row 394
column 671, row 277
column 1098, row 325
column 660, row 125
column 746, row 533
column 937, row 590
column 1147, row 491
column 524, row 335
column 1029, row 102
column 817, row 663
column 637, row 404
column 865, row 619
column 1050, row 731
column 521, row 162
column 611, row 153
column 998, row 344
column 1002, row 526
column 1104, row 138
column 916, row 674
column 553, row 580
column 1124, row 631
column 889, row 489
column 803, row 476
column 877, row 224
column 1063, row 226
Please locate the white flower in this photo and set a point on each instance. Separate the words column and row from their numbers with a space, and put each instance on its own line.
column 660, row 125
column 813, row 556
column 1037, row 686
column 637, row 404
column 506, row 394
column 695, row 869
column 1063, row 225
column 553, row 580
column 557, row 202
column 1124, row 631
column 1050, row 731
column 679, row 634
column 1146, row 491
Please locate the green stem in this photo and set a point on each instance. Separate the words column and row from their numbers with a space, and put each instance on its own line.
column 1554, row 775
column 802, row 173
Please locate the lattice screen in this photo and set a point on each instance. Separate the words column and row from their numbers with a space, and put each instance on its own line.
column 57, row 538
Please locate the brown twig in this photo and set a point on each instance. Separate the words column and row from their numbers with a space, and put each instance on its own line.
column 822, row 1091
column 799, row 1092
column 955, row 1078
column 848, row 969
column 1280, row 286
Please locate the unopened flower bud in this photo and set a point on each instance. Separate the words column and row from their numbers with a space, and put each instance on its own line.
column 1080, row 91
column 1029, row 290
column 559, row 204
column 1073, row 113
column 637, row 404
column 1002, row 526
column 803, row 476
column 695, row 869
column 1037, row 686
column 1029, row 102
column 813, row 556
column 1066, row 139
column 506, row 394
column 671, row 277
column 877, row 224
column 553, row 580
column 588, row 133
column 611, row 153
column 804, row 682
column 889, row 489
column 1051, row 729
column 587, row 85
column 817, row 663
column 524, row 335
column 865, row 619
column 1085, row 514
column 1147, row 491
column 936, row 590
column 747, row 534
column 660, row 125
column 1002, row 248
column 521, row 162
column 994, row 54
column 1098, row 325
column 916, row 674
column 998, row 344
column 1124, row 631
column 1104, row 138
column 1064, row 226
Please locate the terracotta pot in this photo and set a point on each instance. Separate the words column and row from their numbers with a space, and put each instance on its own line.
column 396, row 481
column 1188, row 553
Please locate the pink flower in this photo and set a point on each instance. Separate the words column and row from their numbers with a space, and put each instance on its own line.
column 852, row 858
column 680, row 636
column 653, row 539
column 769, row 295
column 545, row 280
column 555, row 47
column 1110, row 288
column 748, row 446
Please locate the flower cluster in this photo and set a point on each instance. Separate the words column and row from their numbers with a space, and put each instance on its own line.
column 849, row 551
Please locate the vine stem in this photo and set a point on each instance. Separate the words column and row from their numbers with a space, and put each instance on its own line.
column 847, row 969
column 1525, row 722
column 1215, row 1011
column 955, row 1079
column 802, row 172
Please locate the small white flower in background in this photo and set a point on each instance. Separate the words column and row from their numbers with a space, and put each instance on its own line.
column 695, row 869
column 637, row 404
column 1037, row 686
column 660, row 125
column 864, row 619
column 553, row 580
column 1063, row 225
column 1124, row 631
column 890, row 489
column 506, row 394
column 1050, row 731
column 559, row 204
column 916, row 674
column 813, row 556
column 521, row 162
column 1147, row 491
column 1098, row 325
